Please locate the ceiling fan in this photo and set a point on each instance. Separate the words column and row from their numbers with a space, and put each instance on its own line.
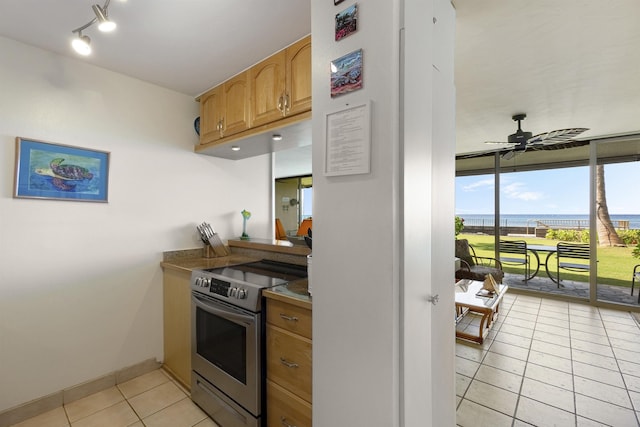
column 522, row 141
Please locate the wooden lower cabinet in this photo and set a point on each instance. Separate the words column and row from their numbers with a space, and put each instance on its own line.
column 285, row 408
column 289, row 364
column 177, row 324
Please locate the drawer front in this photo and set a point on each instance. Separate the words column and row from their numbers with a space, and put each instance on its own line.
column 289, row 361
column 289, row 317
column 286, row 409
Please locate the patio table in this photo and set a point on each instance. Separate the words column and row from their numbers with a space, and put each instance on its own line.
column 542, row 248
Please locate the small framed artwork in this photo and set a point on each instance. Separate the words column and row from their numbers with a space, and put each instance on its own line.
column 336, row 2
column 346, row 22
column 46, row 170
column 346, row 73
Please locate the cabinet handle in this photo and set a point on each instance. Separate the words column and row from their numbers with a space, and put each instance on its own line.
column 288, row 318
column 285, row 423
column 280, row 106
column 288, row 364
column 287, row 105
column 221, row 127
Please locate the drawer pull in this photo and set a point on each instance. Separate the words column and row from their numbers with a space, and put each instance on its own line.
column 287, row 363
column 284, row 422
column 288, row 318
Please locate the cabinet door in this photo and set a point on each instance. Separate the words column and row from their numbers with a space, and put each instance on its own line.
column 289, row 361
column 177, row 324
column 235, row 104
column 285, row 408
column 299, row 76
column 267, row 89
column 289, row 317
column 210, row 115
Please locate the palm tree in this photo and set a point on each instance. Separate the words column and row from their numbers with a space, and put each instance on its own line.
column 607, row 235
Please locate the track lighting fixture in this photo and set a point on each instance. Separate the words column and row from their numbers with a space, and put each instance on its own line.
column 104, row 24
column 82, row 43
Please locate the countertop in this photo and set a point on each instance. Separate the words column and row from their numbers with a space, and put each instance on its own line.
column 294, row 293
column 189, row 264
column 243, row 251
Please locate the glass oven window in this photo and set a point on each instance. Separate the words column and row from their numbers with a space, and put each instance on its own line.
column 223, row 343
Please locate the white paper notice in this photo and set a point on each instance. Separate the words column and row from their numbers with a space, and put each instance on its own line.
column 348, row 141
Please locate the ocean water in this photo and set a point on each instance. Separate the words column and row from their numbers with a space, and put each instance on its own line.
column 511, row 220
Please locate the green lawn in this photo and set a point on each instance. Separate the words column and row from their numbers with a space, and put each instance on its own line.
column 615, row 264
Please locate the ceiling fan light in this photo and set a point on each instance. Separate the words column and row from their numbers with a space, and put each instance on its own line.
column 82, row 45
column 104, row 23
column 508, row 155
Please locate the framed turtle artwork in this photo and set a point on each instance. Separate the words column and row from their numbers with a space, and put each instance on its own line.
column 45, row 170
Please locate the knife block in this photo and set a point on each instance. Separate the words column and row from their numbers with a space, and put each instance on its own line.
column 209, row 252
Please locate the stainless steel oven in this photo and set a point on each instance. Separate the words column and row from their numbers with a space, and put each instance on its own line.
column 228, row 360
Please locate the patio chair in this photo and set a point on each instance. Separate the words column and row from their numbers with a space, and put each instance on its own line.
column 571, row 252
column 636, row 275
column 474, row 267
column 517, row 255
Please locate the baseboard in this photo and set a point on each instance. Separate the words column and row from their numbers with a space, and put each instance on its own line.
column 54, row 400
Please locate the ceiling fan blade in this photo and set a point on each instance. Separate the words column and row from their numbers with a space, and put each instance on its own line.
column 483, row 153
column 558, row 146
column 555, row 137
column 509, row 144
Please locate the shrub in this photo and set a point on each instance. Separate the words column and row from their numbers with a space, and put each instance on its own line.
column 568, row 235
column 629, row 237
column 459, row 225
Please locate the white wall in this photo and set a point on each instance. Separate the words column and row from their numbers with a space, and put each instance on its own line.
column 80, row 283
column 356, row 286
column 383, row 241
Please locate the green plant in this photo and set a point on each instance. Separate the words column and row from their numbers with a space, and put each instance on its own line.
column 459, row 225
column 636, row 251
column 568, row 235
column 630, row 237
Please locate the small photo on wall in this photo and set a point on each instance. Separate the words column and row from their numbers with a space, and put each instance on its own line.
column 347, row 22
column 346, row 73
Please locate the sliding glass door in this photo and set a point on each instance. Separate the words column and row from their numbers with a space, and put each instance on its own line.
column 617, row 221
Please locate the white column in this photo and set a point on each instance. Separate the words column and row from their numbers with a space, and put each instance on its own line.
column 382, row 239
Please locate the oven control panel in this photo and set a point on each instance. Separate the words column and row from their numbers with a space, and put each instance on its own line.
column 220, row 287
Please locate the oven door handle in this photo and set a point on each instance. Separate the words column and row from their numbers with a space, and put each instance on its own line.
column 234, row 317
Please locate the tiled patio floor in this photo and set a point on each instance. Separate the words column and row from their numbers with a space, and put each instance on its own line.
column 548, row 362
column 542, row 283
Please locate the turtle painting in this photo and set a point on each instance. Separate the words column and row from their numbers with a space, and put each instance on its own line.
column 62, row 174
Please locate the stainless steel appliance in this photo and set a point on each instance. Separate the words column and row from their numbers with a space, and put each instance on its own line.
column 227, row 343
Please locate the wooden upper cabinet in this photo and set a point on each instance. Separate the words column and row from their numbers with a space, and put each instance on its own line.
column 235, row 100
column 273, row 89
column 224, row 110
column 299, row 76
column 281, row 84
column 267, row 89
column 211, row 115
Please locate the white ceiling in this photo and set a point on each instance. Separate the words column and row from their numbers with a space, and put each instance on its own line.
column 567, row 63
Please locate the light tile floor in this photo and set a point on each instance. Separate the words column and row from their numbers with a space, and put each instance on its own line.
column 550, row 363
column 152, row 400
column 544, row 363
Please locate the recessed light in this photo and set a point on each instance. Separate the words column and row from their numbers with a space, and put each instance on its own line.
column 276, row 137
column 235, row 148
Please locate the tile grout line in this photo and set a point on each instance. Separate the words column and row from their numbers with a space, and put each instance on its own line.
column 624, row 381
column 573, row 376
column 525, row 372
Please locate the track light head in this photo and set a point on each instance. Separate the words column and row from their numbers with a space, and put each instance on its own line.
column 104, row 23
column 82, row 44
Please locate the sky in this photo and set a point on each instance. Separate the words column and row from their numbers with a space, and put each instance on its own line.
column 557, row 191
